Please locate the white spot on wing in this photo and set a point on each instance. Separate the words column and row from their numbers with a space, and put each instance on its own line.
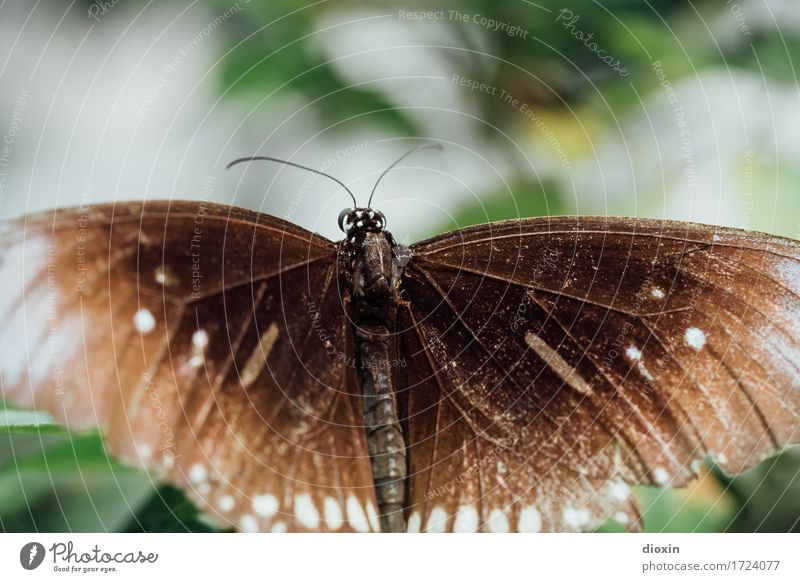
column 226, row 503
column 278, row 527
column 498, row 522
column 143, row 321
column 145, row 451
column 305, row 511
column 621, row 517
column 265, row 505
column 633, row 353
column 695, row 338
column 466, row 519
column 414, row 523
column 196, row 361
column 161, row 276
column 530, row 520
column 248, row 524
column 258, row 358
column 644, row 371
column 661, row 475
column 373, row 517
column 198, row 473
column 356, row 516
column 656, row 293
column 200, row 340
column 437, row 520
column 576, row 518
column 199, row 344
column 619, row 490
column 558, row 364
column 333, row 513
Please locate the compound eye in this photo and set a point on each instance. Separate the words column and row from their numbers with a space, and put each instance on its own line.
column 344, row 215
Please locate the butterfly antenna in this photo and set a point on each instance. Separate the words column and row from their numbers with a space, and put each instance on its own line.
column 422, row 146
column 294, row 165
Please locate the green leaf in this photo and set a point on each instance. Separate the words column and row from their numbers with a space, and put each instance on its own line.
column 167, row 511
column 54, row 483
column 28, row 421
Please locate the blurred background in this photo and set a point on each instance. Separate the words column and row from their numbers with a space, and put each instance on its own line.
column 674, row 109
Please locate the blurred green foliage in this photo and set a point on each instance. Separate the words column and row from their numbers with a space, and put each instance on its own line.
column 270, row 53
column 270, row 56
column 51, row 480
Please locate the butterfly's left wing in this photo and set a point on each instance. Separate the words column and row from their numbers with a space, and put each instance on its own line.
column 553, row 363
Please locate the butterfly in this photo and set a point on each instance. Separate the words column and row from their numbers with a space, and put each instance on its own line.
column 514, row 376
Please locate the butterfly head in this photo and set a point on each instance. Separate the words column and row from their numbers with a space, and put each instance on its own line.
column 352, row 220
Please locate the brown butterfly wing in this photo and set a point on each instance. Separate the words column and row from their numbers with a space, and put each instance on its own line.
column 209, row 344
column 555, row 362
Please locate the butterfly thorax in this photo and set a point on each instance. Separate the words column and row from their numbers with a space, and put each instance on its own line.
column 372, row 264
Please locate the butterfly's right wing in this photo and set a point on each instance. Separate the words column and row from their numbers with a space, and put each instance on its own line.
column 208, row 344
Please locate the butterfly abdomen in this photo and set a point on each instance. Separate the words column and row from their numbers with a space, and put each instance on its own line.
column 373, row 312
